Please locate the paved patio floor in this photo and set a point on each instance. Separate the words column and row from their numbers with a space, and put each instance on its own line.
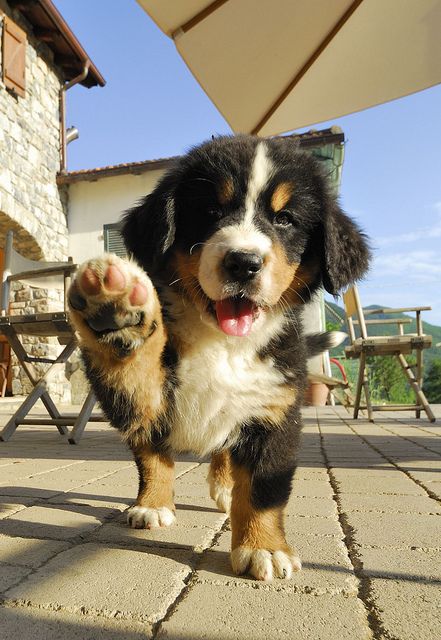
column 364, row 515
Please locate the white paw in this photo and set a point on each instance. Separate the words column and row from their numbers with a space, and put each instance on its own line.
column 146, row 518
column 220, row 494
column 264, row 565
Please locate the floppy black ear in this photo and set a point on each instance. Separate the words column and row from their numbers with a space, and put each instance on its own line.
column 345, row 251
column 149, row 229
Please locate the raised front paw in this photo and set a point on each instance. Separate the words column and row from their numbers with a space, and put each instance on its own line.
column 263, row 564
column 115, row 300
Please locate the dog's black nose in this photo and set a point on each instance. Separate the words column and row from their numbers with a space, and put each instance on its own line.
column 242, row 265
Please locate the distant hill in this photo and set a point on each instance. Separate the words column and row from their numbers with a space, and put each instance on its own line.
column 389, row 329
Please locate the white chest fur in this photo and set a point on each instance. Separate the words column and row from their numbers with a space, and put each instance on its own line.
column 222, row 384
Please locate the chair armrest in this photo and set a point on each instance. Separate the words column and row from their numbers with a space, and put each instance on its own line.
column 59, row 269
column 387, row 321
column 402, row 310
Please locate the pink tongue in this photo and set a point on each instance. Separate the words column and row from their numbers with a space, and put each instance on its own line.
column 235, row 316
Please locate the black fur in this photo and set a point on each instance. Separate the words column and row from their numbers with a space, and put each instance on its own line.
column 115, row 404
column 185, row 210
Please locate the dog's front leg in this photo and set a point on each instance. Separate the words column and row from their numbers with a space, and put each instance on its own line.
column 116, row 313
column 154, row 505
column 262, row 485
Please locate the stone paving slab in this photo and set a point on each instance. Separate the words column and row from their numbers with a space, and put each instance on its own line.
column 108, row 581
column 11, row 575
column 366, row 484
column 28, row 623
column 10, row 505
column 297, row 527
column 58, row 522
column 364, row 516
column 397, row 529
column 195, row 529
column 409, row 610
column 409, row 565
column 211, row 612
column 389, row 503
column 28, row 552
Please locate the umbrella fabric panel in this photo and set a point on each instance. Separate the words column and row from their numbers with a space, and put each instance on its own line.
column 275, row 65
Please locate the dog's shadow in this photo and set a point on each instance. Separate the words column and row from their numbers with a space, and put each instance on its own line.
column 195, row 545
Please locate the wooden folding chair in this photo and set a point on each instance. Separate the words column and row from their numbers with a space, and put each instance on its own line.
column 42, row 275
column 397, row 346
column 5, row 360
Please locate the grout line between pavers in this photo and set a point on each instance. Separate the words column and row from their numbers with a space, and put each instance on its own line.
column 408, row 439
column 400, row 547
column 38, row 501
column 190, row 581
column 86, row 538
column 92, row 613
column 364, row 582
column 405, row 421
column 41, row 473
column 44, row 501
column 430, row 493
column 75, row 541
column 183, row 473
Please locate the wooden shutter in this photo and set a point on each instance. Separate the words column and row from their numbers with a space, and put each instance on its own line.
column 14, row 57
column 113, row 241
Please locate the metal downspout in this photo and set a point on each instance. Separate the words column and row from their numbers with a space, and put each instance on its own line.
column 62, row 98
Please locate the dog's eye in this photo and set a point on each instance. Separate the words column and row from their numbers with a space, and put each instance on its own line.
column 283, row 219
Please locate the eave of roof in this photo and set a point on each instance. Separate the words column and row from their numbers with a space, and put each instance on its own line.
column 134, row 168
column 310, row 139
column 50, row 27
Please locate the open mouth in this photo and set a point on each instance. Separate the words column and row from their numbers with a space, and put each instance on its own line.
column 235, row 316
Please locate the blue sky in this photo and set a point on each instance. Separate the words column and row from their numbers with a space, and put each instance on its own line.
column 152, row 107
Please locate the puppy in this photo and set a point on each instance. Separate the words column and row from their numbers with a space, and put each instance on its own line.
column 206, row 353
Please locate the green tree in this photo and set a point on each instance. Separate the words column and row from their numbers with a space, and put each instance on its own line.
column 332, row 325
column 387, row 382
column 432, row 382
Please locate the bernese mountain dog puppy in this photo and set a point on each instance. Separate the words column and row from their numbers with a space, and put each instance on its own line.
column 196, row 343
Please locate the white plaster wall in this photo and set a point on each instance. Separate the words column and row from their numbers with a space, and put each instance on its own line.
column 94, row 204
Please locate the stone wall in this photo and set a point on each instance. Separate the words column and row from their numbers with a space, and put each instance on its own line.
column 31, row 203
column 29, row 149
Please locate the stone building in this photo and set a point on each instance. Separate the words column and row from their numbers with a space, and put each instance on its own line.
column 40, row 58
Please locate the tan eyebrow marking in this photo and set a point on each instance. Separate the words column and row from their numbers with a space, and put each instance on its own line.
column 226, row 191
column 281, row 196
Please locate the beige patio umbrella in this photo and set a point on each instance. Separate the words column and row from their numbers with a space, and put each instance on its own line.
column 271, row 66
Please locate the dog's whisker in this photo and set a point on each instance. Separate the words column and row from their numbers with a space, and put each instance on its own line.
column 296, row 277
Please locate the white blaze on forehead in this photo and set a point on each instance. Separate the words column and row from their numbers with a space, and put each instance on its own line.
column 243, row 236
column 261, row 171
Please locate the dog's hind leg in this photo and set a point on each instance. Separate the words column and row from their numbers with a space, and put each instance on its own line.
column 220, row 480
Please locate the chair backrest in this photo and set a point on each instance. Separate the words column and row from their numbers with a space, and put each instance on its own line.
column 43, row 275
column 353, row 307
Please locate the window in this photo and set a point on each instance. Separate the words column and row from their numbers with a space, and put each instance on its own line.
column 113, row 241
column 14, row 57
